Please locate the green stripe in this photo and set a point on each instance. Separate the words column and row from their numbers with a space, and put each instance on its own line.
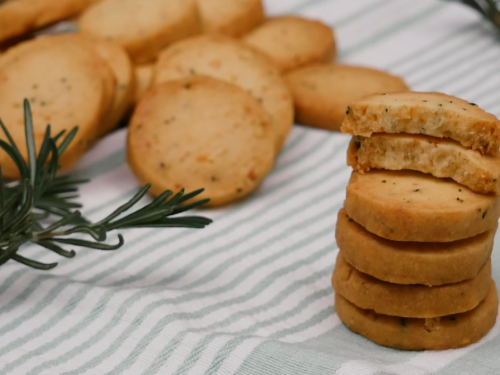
column 486, row 76
column 316, row 319
column 430, row 62
column 437, row 44
column 481, row 360
column 359, row 13
column 488, row 92
column 138, row 295
column 452, row 63
column 306, row 5
column 255, row 291
column 393, row 29
column 229, row 347
column 10, row 281
column 170, row 347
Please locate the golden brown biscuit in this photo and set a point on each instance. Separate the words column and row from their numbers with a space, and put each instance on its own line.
column 409, row 301
column 200, row 133
column 143, row 79
column 143, row 28
column 322, row 92
column 121, row 67
column 426, row 113
column 412, row 206
column 439, row 157
column 234, row 62
column 292, row 42
column 230, row 17
column 448, row 332
column 19, row 17
column 412, row 262
column 102, row 66
column 70, row 92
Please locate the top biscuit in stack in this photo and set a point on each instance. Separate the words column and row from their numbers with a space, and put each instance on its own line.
column 432, row 114
column 433, row 133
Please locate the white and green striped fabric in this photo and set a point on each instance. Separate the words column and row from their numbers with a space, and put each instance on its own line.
column 251, row 293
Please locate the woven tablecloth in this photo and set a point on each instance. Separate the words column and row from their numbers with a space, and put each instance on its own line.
column 251, row 293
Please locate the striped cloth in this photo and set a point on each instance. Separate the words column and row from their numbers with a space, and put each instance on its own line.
column 251, row 293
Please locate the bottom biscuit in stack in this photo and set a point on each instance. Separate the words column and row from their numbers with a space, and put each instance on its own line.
column 415, row 317
column 447, row 332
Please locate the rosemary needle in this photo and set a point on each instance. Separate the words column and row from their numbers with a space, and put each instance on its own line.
column 41, row 194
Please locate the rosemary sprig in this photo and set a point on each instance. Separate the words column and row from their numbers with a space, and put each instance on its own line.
column 40, row 194
column 488, row 9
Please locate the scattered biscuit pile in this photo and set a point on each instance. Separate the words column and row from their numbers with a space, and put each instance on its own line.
column 137, row 51
column 417, row 228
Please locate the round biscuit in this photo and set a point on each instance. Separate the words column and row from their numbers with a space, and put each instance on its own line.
column 143, row 28
column 438, row 333
column 200, row 133
column 292, row 42
column 322, row 92
column 409, row 301
column 70, row 92
column 412, row 206
column 120, row 66
column 103, row 67
column 234, row 62
column 407, row 263
column 230, row 17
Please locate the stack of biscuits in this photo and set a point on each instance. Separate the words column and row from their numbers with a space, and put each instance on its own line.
column 417, row 228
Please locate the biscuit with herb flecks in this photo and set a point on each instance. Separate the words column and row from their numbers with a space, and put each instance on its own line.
column 437, row 333
column 230, row 17
column 67, row 86
column 412, row 206
column 408, row 263
column 321, row 92
column 90, row 45
column 426, row 113
column 409, row 301
column 119, row 62
column 143, row 28
column 292, row 42
column 200, row 133
column 232, row 61
column 439, row 157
